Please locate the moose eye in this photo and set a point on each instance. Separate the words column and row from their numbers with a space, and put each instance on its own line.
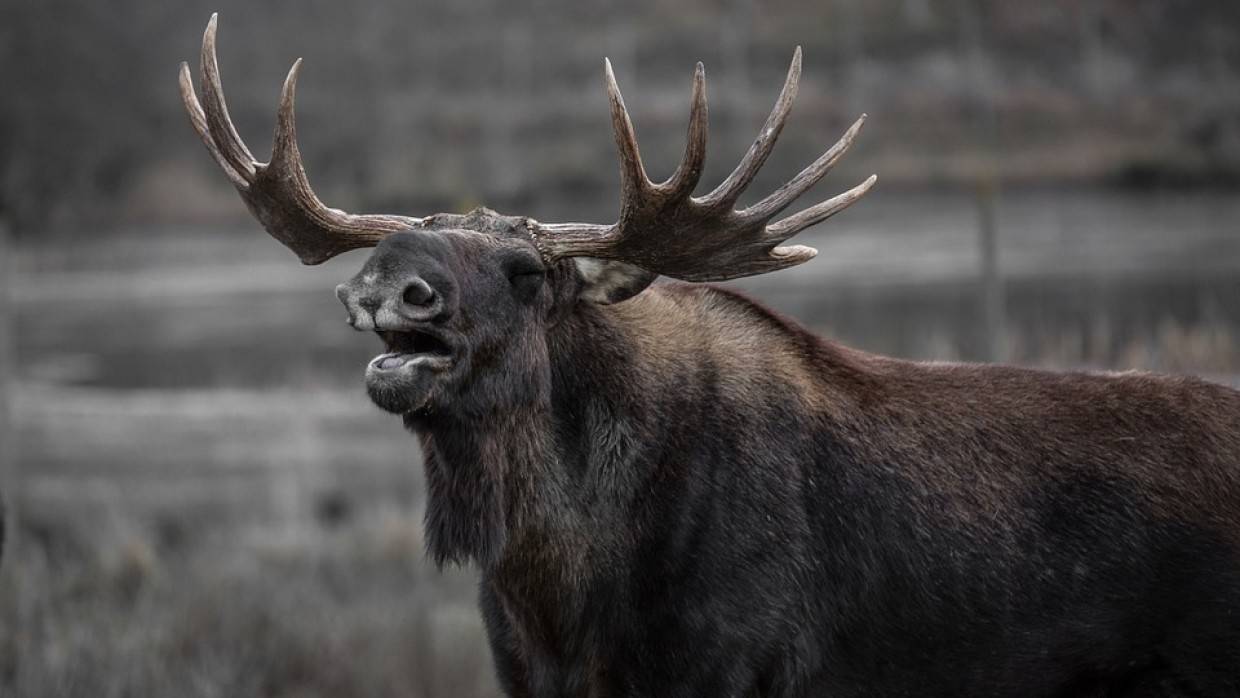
column 526, row 276
column 523, row 265
column 526, row 284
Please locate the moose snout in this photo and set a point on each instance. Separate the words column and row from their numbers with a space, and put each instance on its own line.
column 375, row 303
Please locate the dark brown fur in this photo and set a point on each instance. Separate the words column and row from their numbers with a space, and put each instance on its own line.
column 687, row 494
column 675, row 492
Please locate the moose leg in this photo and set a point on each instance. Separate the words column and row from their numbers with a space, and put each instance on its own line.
column 509, row 665
column 1202, row 651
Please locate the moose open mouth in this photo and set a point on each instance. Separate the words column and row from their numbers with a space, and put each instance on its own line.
column 406, row 378
column 411, row 348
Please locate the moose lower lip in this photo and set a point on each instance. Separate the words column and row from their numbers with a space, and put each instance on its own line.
column 393, row 361
column 398, row 360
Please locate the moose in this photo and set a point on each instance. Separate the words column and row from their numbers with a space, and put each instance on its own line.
column 670, row 490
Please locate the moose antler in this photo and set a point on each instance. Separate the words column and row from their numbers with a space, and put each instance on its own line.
column 665, row 229
column 277, row 192
column 662, row 228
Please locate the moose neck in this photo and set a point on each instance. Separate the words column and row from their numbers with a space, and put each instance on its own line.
column 543, row 478
column 554, row 481
column 480, row 477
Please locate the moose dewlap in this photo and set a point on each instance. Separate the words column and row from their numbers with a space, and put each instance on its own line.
column 672, row 491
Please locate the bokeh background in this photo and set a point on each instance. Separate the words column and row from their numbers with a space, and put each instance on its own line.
column 201, row 500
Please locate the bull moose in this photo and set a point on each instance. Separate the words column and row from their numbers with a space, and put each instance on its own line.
column 670, row 490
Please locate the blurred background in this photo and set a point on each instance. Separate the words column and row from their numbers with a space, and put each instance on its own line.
column 202, row 501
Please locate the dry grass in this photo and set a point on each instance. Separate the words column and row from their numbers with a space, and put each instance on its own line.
column 226, row 542
column 349, row 613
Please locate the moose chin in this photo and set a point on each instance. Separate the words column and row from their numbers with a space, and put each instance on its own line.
column 670, row 490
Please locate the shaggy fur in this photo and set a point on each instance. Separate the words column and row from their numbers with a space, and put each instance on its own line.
column 685, row 494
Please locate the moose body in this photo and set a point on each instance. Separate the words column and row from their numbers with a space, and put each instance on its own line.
column 706, row 499
column 672, row 491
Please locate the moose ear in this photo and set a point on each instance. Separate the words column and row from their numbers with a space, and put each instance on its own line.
column 607, row 281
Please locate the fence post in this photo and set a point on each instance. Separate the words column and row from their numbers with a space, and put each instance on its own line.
column 10, row 483
column 991, row 279
column 976, row 51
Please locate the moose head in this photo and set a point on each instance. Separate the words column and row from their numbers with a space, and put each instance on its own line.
column 463, row 302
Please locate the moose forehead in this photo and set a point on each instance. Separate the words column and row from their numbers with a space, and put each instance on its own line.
column 479, row 220
column 445, row 237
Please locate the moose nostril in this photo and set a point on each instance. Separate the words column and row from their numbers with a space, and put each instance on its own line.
column 418, row 292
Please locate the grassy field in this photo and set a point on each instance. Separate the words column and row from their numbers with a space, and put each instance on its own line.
column 208, row 505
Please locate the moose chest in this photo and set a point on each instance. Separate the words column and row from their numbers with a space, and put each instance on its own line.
column 550, row 635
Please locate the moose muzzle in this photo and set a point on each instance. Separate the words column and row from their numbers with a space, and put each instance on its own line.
column 375, row 303
column 402, row 307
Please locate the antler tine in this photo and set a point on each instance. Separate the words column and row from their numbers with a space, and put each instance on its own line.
column 666, row 230
column 633, row 180
column 198, row 120
column 785, row 228
column 218, row 121
column 689, row 172
column 286, row 167
column 278, row 192
column 285, row 154
column 730, row 190
column 785, row 195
